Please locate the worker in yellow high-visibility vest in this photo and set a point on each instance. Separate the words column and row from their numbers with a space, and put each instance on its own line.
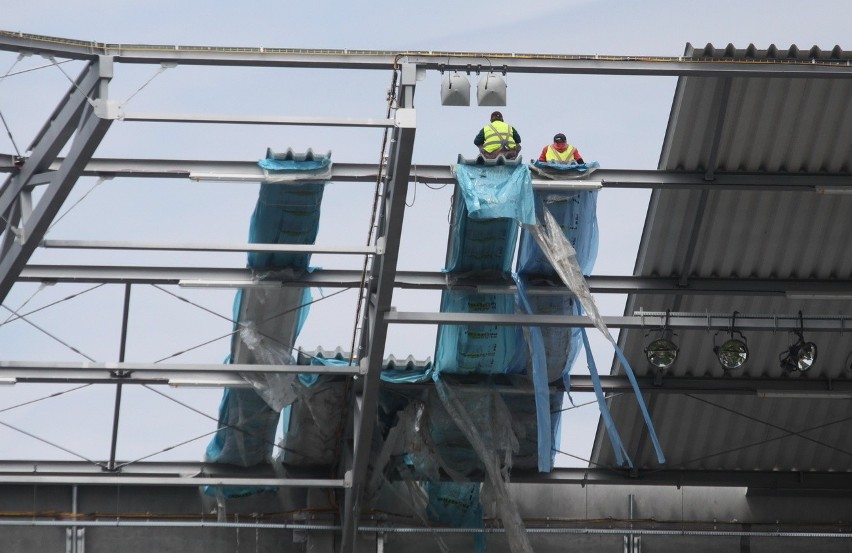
column 498, row 138
column 560, row 152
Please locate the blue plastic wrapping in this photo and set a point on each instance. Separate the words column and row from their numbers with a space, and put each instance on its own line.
column 269, row 320
column 576, row 214
column 456, row 505
column 493, row 191
column 554, row 349
column 479, row 247
column 567, row 170
column 551, row 239
column 483, row 349
column 285, row 214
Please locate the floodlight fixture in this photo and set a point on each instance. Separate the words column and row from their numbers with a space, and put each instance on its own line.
column 733, row 353
column 491, row 90
column 455, row 90
column 801, row 355
column 662, row 351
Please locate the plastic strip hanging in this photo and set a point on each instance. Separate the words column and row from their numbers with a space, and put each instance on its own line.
column 540, row 385
column 562, row 256
column 614, row 437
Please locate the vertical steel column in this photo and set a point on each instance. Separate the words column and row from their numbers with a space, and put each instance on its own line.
column 122, row 348
column 383, row 275
column 81, row 111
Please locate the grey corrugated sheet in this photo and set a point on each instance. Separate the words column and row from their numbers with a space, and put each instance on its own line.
column 768, row 125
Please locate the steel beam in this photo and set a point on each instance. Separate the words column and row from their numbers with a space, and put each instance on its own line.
column 430, row 60
column 703, row 322
column 425, row 280
column 76, row 114
column 255, row 120
column 193, row 247
column 803, row 481
column 181, row 473
column 765, row 387
column 114, row 479
column 249, row 171
column 378, row 304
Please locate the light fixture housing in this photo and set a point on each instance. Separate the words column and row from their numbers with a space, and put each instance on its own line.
column 733, row 353
column 661, row 353
column 801, row 355
column 455, row 90
column 491, row 90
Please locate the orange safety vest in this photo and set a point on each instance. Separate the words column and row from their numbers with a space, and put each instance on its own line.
column 498, row 135
column 560, row 157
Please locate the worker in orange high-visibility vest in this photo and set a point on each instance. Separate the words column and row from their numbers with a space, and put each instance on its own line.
column 560, row 152
column 498, row 138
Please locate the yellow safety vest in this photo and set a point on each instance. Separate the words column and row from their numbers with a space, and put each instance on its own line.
column 498, row 135
column 560, row 157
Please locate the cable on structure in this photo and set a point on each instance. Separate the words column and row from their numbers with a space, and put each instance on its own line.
column 163, row 67
column 14, row 317
column 9, row 131
column 276, row 340
column 100, row 181
column 55, row 394
column 787, row 432
column 67, row 345
column 391, row 99
column 66, row 450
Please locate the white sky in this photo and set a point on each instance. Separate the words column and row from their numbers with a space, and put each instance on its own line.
column 618, row 121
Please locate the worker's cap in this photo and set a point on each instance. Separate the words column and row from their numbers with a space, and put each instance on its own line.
column 559, row 137
column 496, row 116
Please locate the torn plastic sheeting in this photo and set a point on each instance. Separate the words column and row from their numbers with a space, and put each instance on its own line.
column 270, row 320
column 576, row 216
column 457, row 505
column 553, row 350
column 431, row 437
column 497, row 191
column 313, row 428
column 562, row 256
column 495, row 447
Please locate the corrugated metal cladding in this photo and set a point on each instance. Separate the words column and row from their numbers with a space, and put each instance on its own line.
column 748, row 125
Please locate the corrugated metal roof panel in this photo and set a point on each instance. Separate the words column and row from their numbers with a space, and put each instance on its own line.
column 748, row 125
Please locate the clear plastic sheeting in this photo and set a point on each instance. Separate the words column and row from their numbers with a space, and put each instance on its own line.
column 269, row 319
column 553, row 350
column 494, row 442
column 313, row 426
column 563, row 257
column 464, row 432
column 497, row 191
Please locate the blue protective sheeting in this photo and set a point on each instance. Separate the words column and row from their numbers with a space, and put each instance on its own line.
column 554, row 349
column 482, row 349
column 483, row 247
column 497, row 191
column 284, row 214
column 456, row 505
column 576, row 213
